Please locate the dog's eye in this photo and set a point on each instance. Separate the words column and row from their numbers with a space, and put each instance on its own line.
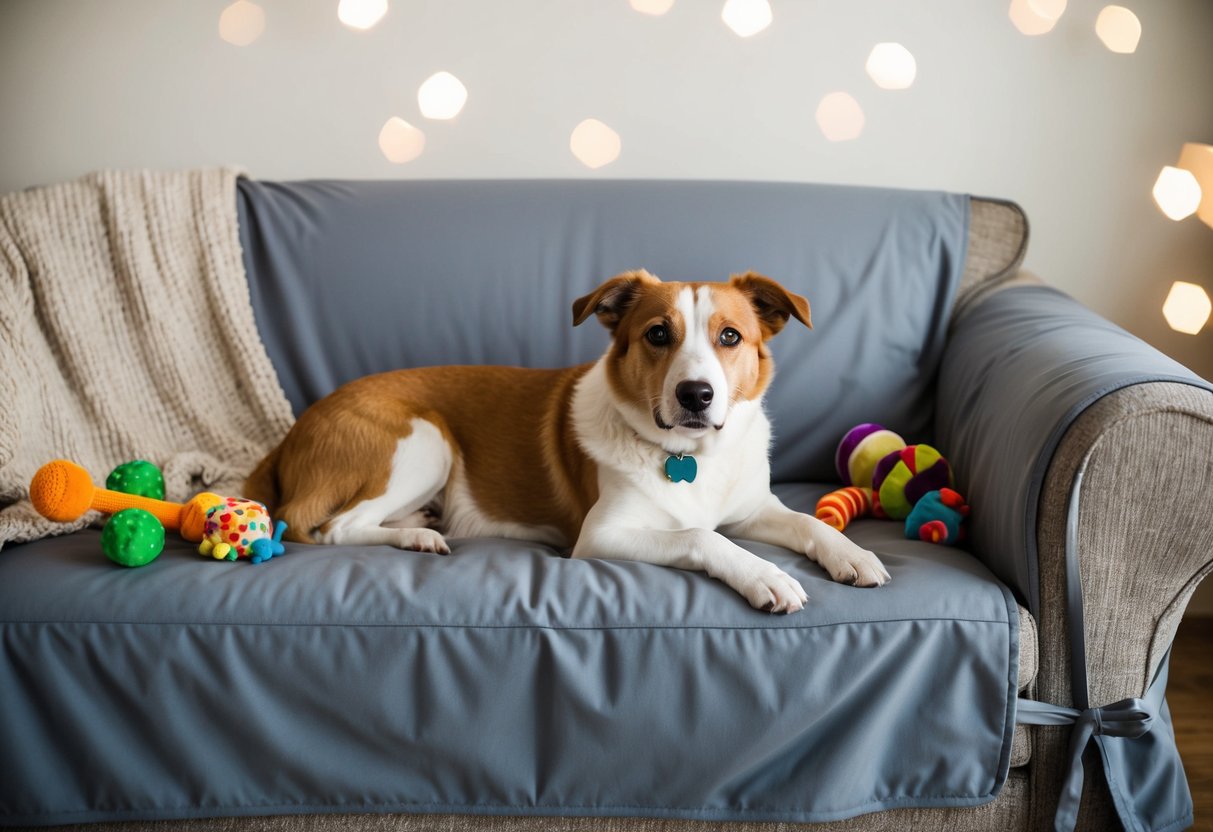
column 658, row 335
column 730, row 337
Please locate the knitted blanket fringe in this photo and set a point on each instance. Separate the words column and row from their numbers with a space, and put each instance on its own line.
column 126, row 332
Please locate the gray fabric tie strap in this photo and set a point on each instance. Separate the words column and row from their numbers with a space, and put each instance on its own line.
column 1128, row 718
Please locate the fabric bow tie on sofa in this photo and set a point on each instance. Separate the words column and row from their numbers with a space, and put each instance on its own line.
column 185, row 318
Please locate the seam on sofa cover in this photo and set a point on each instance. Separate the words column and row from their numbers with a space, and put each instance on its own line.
column 1007, row 812
column 455, row 626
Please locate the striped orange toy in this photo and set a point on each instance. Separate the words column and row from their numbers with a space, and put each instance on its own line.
column 838, row 508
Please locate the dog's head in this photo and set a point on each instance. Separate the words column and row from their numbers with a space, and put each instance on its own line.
column 687, row 352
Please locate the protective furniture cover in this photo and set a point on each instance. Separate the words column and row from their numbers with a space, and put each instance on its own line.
column 500, row 679
column 506, row 679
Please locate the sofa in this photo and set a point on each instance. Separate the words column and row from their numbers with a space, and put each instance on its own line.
column 1014, row 682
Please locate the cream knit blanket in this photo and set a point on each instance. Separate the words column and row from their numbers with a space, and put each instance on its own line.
column 126, row 332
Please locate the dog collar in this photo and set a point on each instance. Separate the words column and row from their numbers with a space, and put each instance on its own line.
column 681, row 468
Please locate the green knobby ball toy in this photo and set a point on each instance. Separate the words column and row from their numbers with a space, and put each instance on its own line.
column 137, row 477
column 132, row 537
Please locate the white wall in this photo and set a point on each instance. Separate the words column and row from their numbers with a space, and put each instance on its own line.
column 1072, row 132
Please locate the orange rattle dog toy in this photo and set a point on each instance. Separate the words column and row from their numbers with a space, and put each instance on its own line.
column 63, row 491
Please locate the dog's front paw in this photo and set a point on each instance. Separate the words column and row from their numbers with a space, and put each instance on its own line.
column 853, row 565
column 769, row 588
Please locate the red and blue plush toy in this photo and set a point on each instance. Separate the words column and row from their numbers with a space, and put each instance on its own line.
column 937, row 517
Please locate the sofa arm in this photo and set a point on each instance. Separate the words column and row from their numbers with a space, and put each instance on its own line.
column 1070, row 437
column 1019, row 368
column 1143, row 527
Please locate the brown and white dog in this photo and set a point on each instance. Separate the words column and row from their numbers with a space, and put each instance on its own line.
column 575, row 456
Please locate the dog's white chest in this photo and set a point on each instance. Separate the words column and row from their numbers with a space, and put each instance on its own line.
column 727, row 485
column 702, row 504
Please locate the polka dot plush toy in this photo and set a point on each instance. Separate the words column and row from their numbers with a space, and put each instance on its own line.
column 241, row 529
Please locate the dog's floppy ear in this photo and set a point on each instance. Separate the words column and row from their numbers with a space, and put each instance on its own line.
column 773, row 303
column 612, row 299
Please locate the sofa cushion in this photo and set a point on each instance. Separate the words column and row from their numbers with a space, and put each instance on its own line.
column 501, row 679
column 353, row 278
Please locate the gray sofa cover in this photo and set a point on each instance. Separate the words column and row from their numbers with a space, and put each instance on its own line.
column 505, row 679
column 353, row 278
column 499, row 680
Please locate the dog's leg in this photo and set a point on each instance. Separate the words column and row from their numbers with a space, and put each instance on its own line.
column 420, row 468
column 777, row 524
column 417, row 540
column 764, row 585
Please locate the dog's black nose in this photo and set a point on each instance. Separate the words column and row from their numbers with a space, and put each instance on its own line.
column 695, row 396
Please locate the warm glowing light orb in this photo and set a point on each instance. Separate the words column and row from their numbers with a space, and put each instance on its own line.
column 746, row 17
column 1198, row 158
column 241, row 23
column 361, row 14
column 1048, row 9
column 1177, row 192
column 1028, row 20
column 441, row 96
column 1119, row 29
column 594, row 144
column 840, row 117
column 400, row 141
column 1187, row 307
column 892, row 66
column 653, row 7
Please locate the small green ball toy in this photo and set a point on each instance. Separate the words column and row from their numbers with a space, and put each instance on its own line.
column 133, row 537
column 137, row 477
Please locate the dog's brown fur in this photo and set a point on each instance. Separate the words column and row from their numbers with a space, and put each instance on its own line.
column 520, row 442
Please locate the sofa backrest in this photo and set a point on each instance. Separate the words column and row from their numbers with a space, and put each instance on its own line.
column 351, row 278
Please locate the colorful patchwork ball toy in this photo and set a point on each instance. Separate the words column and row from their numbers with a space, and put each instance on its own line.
column 888, row 479
column 241, row 529
column 859, row 451
column 902, row 478
column 937, row 517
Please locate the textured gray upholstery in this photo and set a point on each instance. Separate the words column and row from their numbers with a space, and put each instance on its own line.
column 998, row 241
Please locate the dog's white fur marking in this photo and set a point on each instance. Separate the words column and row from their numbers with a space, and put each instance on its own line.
column 641, row 515
column 424, row 473
column 421, row 465
column 461, row 517
column 696, row 358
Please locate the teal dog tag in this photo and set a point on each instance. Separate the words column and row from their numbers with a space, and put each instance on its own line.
column 681, row 468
